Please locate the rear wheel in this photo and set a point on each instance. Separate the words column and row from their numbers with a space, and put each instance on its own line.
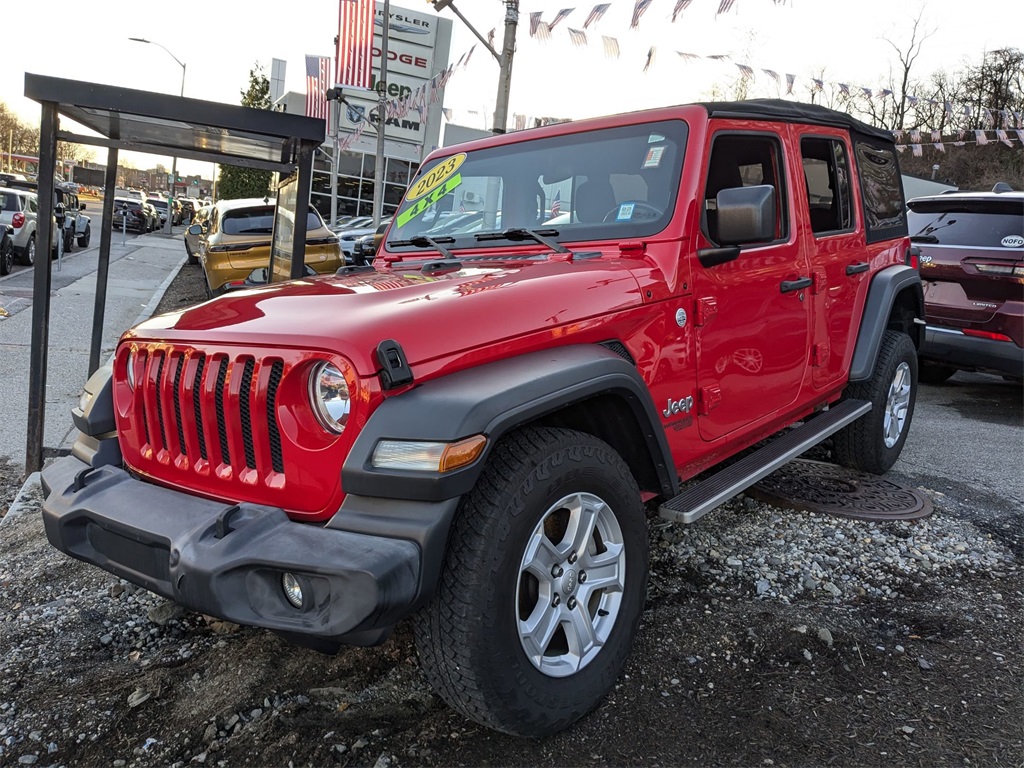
column 542, row 587
column 28, row 256
column 874, row 441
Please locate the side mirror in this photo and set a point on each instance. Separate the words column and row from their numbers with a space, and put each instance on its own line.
column 81, row 206
column 197, row 229
column 746, row 215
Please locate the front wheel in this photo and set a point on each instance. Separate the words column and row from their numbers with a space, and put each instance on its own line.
column 874, row 441
column 83, row 239
column 542, row 587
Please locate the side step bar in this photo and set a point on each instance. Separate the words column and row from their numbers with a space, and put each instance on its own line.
column 697, row 501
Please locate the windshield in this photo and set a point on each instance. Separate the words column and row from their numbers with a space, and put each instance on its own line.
column 610, row 183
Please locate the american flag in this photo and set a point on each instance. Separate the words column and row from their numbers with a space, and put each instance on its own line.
column 355, row 42
column 317, row 72
column 556, row 203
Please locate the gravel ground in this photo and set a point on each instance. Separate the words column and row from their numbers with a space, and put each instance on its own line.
column 769, row 638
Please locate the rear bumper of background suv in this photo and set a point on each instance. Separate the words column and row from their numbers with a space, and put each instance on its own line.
column 950, row 346
column 230, row 564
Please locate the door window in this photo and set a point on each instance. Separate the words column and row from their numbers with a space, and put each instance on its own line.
column 827, row 176
column 745, row 160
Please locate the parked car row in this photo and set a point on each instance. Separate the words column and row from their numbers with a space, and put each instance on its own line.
column 971, row 260
column 231, row 240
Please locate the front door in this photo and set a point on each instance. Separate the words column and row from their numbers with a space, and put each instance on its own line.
column 752, row 321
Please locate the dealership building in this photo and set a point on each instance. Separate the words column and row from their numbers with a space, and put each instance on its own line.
column 418, row 50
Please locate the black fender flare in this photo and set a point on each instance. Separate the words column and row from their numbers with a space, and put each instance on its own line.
column 885, row 287
column 491, row 400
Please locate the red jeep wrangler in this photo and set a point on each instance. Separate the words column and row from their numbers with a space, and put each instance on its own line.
column 561, row 326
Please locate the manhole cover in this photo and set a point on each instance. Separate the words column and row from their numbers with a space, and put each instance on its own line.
column 815, row 486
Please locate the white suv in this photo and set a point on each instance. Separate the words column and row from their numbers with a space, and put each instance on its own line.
column 19, row 209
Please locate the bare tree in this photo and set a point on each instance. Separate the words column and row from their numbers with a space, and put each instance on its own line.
column 902, row 85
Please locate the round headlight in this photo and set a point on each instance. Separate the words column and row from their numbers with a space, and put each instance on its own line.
column 292, row 589
column 131, row 369
column 328, row 392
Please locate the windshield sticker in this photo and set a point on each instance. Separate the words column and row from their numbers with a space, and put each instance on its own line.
column 435, row 177
column 653, row 159
column 1012, row 241
column 625, row 212
column 431, row 198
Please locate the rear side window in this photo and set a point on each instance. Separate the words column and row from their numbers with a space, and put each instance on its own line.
column 827, row 176
column 11, row 202
column 882, row 189
column 979, row 223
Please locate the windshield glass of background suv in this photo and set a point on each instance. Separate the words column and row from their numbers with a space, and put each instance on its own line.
column 616, row 182
column 981, row 223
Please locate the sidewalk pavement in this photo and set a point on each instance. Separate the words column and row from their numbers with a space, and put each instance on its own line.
column 140, row 271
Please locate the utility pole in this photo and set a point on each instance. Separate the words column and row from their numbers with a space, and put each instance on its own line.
column 504, row 58
column 382, row 90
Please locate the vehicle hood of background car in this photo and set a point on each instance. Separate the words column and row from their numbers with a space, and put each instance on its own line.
column 428, row 314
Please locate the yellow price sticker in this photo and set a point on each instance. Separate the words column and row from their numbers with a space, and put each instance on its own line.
column 432, row 197
column 435, row 176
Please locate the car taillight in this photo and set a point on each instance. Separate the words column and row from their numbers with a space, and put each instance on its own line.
column 18, row 220
column 913, row 257
column 1009, row 270
column 987, row 335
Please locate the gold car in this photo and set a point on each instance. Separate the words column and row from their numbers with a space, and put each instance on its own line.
column 235, row 240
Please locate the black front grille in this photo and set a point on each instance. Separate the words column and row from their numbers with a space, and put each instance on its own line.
column 245, row 415
column 218, row 395
column 197, row 397
column 276, row 458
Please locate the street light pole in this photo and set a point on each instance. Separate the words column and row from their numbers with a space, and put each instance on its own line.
column 174, row 161
column 504, row 58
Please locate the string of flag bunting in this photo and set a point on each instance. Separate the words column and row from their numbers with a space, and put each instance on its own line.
column 542, row 30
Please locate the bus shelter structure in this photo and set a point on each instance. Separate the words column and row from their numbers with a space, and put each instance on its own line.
column 142, row 121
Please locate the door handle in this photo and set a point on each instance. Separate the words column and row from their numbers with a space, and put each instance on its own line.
column 856, row 269
column 788, row 286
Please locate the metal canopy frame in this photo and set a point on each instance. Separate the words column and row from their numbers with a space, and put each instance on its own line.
column 142, row 121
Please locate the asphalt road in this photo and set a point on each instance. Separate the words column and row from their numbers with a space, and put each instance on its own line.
column 94, row 210
column 966, row 441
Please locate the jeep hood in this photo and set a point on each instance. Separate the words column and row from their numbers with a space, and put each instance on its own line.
column 429, row 314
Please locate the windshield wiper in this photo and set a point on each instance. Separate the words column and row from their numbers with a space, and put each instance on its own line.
column 924, row 239
column 422, row 241
column 542, row 236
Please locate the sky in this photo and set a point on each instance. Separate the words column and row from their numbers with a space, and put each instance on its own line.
column 221, row 41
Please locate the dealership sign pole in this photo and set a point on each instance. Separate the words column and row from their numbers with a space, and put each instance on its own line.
column 382, row 90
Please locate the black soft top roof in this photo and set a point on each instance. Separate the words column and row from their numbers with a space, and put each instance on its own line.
column 793, row 112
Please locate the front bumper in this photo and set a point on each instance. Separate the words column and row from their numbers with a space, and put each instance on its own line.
column 229, row 564
column 952, row 347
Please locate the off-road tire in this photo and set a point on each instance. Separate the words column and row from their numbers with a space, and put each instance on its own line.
column 69, row 242
column 933, row 373
column 83, row 239
column 891, row 388
column 28, row 256
column 6, row 258
column 469, row 636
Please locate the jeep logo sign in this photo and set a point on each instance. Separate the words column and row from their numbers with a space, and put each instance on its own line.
column 678, row 406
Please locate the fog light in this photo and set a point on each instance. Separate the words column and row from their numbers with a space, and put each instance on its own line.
column 292, row 589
